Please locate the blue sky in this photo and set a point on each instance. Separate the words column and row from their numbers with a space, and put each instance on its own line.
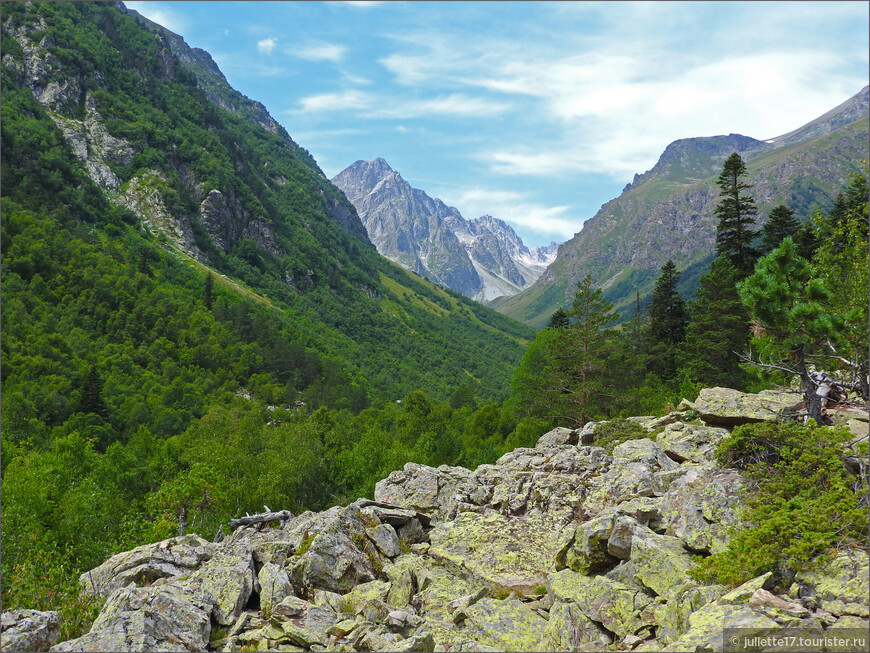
column 534, row 112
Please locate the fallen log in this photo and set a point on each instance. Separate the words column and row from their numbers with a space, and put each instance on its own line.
column 262, row 519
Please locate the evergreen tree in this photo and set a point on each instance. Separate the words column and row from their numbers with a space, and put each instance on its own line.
column 208, row 291
column 91, row 394
column 780, row 225
column 736, row 212
column 565, row 374
column 559, row 319
column 790, row 305
column 667, row 323
column 718, row 327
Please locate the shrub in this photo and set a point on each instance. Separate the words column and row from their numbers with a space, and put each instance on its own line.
column 610, row 434
column 801, row 501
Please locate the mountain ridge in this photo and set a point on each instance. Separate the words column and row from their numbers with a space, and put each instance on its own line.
column 482, row 258
column 667, row 212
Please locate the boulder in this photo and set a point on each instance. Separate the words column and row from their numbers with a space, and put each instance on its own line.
column 425, row 489
column 621, row 608
column 420, row 643
column 701, row 505
column 586, row 552
column 691, row 442
column 225, row 582
column 742, row 593
column 384, row 537
column 672, row 615
column 558, row 436
column 505, row 625
column 660, row 562
column 568, row 629
column 726, row 407
column 706, row 627
column 29, row 630
column 643, row 451
column 498, row 551
column 334, row 555
column 177, row 556
column 617, row 485
column 274, row 586
column 158, row 618
column 841, row 585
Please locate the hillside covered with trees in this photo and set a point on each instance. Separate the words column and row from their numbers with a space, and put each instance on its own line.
column 194, row 326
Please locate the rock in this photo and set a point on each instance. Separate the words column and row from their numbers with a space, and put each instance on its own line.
column 726, row 407
column 292, row 606
column 411, row 532
column 643, row 451
column 370, row 600
column 844, row 579
column 586, row 552
column 741, row 594
column 672, row 616
column 506, row 625
column 226, row 582
column 274, row 586
column 707, row 624
column 618, row 484
column 763, row 598
column 384, row 537
column 158, row 618
column 419, row 643
column 497, row 551
column 424, row 489
column 568, row 629
column 701, row 505
column 143, row 565
column 386, row 513
column 558, row 436
column 660, row 562
column 332, row 560
column 29, row 630
column 619, row 607
column 690, row 442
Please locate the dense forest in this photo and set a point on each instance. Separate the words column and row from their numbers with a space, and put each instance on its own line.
column 147, row 391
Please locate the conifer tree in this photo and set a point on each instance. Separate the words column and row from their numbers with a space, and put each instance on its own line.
column 667, row 323
column 718, row 327
column 559, row 319
column 780, row 225
column 736, row 212
column 91, row 394
column 208, row 291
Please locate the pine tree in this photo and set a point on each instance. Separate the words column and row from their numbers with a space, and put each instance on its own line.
column 208, row 291
column 565, row 374
column 91, row 394
column 719, row 327
column 780, row 225
column 559, row 319
column 667, row 323
column 736, row 212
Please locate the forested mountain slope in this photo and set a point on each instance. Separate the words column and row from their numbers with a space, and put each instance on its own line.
column 667, row 212
column 193, row 318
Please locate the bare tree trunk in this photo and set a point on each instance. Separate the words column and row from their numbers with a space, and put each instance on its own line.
column 812, row 400
column 182, row 520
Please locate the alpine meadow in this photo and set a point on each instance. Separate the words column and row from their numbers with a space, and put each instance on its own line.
column 250, row 408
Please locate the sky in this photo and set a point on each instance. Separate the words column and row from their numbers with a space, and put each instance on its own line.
column 534, row 112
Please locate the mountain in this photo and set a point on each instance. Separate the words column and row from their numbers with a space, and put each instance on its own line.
column 667, row 212
column 481, row 258
column 120, row 124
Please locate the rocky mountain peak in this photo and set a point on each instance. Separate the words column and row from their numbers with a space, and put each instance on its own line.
column 482, row 258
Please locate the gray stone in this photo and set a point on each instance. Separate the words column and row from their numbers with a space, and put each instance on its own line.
column 691, row 442
column 558, row 436
column 727, row 407
column 29, row 630
column 384, row 537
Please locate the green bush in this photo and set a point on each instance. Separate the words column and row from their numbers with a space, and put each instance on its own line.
column 610, row 434
column 801, row 501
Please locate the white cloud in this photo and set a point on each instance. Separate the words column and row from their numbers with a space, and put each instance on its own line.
column 158, row 13
column 320, row 52
column 335, row 101
column 455, row 104
column 516, row 209
column 267, row 45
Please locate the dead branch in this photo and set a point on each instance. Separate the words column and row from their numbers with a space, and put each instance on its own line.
column 262, row 519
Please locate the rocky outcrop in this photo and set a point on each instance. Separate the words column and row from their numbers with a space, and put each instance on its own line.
column 29, row 630
column 556, row 547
